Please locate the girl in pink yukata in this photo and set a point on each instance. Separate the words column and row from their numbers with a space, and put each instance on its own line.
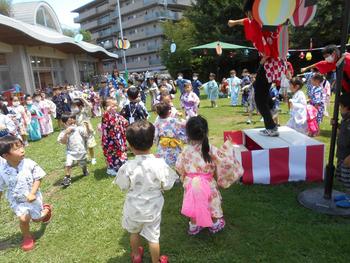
column 170, row 134
column 190, row 101
column 203, row 168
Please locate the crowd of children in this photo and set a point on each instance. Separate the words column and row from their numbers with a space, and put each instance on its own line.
column 182, row 145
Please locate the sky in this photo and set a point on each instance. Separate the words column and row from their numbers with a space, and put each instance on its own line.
column 63, row 10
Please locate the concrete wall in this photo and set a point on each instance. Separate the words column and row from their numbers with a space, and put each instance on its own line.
column 20, row 68
column 71, row 69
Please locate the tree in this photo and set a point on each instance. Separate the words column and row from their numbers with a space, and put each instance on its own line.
column 181, row 33
column 68, row 32
column 86, row 35
column 5, row 7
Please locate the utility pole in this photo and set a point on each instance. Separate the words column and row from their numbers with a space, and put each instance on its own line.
column 121, row 35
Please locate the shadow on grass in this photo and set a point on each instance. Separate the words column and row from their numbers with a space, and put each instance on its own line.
column 326, row 133
column 74, row 179
column 125, row 257
column 101, row 174
column 15, row 240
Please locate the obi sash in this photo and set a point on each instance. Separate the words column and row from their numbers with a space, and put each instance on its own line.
column 170, row 142
column 197, row 199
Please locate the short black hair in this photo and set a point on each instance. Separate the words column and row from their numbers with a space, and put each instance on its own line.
column 163, row 109
column 297, row 82
column 212, row 75
column 133, row 93
column 68, row 115
column 248, row 6
column 344, row 100
column 318, row 77
column 330, row 49
column 7, row 143
column 78, row 102
column 140, row 135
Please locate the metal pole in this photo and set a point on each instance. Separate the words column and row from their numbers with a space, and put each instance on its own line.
column 330, row 166
column 121, row 34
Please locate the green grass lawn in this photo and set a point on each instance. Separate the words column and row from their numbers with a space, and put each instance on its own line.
column 264, row 223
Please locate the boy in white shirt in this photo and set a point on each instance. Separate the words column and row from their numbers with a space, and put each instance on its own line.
column 22, row 178
column 145, row 178
column 74, row 137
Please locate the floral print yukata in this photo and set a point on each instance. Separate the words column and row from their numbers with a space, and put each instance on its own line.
column 114, row 139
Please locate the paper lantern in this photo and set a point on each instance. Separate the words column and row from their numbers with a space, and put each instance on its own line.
column 122, row 44
column 283, row 42
column 218, row 49
column 78, row 38
column 302, row 55
column 172, row 47
column 273, row 12
column 308, row 56
column 303, row 15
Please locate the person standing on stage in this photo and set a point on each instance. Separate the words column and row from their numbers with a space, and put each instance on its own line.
column 271, row 65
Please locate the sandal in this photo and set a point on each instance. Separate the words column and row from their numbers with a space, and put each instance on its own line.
column 47, row 218
column 217, row 226
column 138, row 258
column 343, row 203
column 163, row 259
column 27, row 243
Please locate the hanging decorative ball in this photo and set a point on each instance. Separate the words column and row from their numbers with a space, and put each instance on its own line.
column 246, row 52
column 273, row 12
column 122, row 44
column 283, row 42
column 173, row 47
column 78, row 38
column 218, row 49
column 308, row 56
column 303, row 14
column 302, row 55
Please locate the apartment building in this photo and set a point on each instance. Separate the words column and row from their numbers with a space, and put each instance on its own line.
column 142, row 26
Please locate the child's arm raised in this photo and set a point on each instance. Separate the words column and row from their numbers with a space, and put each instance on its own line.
column 232, row 23
column 63, row 137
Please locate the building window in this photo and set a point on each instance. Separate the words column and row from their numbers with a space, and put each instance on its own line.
column 44, row 18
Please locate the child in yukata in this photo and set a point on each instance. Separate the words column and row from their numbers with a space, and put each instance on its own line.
column 234, row 86
column 251, row 100
column 189, row 101
column 21, row 119
column 169, row 135
column 74, row 137
column 298, row 104
column 316, row 96
column 34, row 131
column 134, row 110
column 212, row 90
column 144, row 178
column 113, row 137
column 22, row 178
column 82, row 108
column 203, row 168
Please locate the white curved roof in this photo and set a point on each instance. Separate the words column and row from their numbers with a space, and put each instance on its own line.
column 17, row 32
column 27, row 12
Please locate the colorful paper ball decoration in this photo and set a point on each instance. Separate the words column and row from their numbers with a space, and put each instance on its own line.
column 302, row 55
column 303, row 15
column 78, row 38
column 218, row 49
column 273, row 12
column 283, row 42
column 172, row 47
column 308, row 56
column 122, row 44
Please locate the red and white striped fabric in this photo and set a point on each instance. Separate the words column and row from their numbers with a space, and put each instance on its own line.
column 303, row 15
column 279, row 165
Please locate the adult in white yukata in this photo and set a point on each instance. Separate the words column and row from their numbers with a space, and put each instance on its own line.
column 234, row 87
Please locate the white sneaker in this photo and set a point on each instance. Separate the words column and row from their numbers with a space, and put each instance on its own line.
column 93, row 161
column 248, row 121
column 270, row 132
column 111, row 172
